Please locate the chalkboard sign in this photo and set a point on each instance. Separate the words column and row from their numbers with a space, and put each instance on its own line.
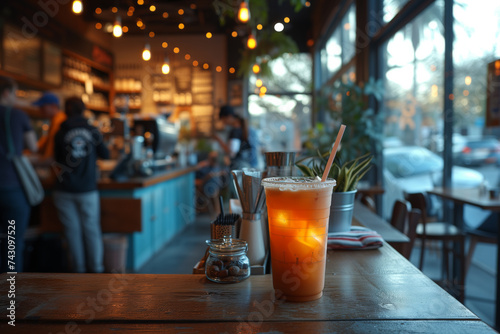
column 52, row 63
column 21, row 53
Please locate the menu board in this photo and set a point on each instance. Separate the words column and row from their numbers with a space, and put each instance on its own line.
column 52, row 63
column 21, row 53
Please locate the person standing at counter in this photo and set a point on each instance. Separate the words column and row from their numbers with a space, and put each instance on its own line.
column 77, row 147
column 241, row 146
column 50, row 108
column 14, row 207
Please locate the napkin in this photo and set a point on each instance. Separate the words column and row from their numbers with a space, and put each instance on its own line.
column 357, row 238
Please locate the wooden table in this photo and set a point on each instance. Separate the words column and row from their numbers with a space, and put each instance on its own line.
column 459, row 197
column 371, row 291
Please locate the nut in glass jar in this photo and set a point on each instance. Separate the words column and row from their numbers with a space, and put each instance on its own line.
column 227, row 261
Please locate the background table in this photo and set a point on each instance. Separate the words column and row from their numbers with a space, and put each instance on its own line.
column 366, row 291
column 459, row 197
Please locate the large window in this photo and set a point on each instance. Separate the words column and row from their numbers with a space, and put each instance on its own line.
column 282, row 111
column 340, row 47
column 391, row 8
column 412, row 70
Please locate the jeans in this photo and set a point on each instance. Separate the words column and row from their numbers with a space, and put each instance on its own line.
column 13, row 207
column 80, row 215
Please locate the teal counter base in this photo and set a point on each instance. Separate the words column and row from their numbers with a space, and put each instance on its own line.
column 166, row 209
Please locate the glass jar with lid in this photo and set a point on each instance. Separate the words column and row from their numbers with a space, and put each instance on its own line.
column 227, row 261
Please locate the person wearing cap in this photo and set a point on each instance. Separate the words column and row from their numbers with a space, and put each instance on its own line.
column 78, row 145
column 14, row 207
column 240, row 146
column 50, row 108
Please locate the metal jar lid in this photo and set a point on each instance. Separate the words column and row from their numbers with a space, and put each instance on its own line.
column 228, row 245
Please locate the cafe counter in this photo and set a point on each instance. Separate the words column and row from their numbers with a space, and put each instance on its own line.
column 150, row 210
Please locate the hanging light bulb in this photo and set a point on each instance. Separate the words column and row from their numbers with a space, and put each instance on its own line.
column 251, row 42
column 243, row 12
column 165, row 68
column 146, row 53
column 117, row 27
column 77, row 6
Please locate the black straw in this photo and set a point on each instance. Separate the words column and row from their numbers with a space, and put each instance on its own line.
column 221, row 206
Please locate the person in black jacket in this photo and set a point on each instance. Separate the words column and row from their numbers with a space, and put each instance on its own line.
column 77, row 147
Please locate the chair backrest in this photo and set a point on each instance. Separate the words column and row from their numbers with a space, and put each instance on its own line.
column 418, row 201
column 413, row 220
column 400, row 215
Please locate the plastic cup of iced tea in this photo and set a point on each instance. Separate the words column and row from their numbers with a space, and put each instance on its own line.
column 298, row 209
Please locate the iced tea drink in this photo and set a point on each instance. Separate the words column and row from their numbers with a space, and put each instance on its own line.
column 298, row 210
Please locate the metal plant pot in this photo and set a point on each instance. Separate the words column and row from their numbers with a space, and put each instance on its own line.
column 341, row 211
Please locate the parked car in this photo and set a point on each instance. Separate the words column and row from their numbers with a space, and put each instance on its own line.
column 480, row 151
column 416, row 169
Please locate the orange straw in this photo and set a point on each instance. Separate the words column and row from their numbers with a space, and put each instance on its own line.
column 333, row 153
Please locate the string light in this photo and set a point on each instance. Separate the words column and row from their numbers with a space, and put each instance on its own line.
column 98, row 10
column 152, row 8
column 258, row 83
column 195, row 63
column 256, row 68
column 77, row 7
column 146, row 53
column 177, row 50
column 278, row 27
column 251, row 42
column 117, row 27
column 181, row 26
column 234, row 33
column 232, row 70
column 164, row 45
column 187, row 56
column 98, row 25
column 209, row 35
column 259, row 26
column 165, row 68
column 243, row 12
column 165, row 15
column 125, row 29
column 206, row 66
column 181, row 11
column 218, row 68
column 114, row 10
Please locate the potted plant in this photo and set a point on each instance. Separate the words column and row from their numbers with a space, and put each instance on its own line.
column 347, row 176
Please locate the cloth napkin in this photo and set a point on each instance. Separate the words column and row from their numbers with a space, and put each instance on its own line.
column 357, row 238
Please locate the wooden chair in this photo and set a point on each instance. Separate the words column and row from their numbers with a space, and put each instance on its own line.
column 406, row 222
column 400, row 215
column 446, row 233
column 413, row 220
column 475, row 237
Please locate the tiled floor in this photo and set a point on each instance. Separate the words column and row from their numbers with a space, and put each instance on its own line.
column 182, row 253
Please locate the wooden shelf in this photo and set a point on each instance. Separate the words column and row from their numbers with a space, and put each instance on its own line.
column 92, row 63
column 96, row 86
column 97, row 108
column 26, row 81
column 122, row 91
